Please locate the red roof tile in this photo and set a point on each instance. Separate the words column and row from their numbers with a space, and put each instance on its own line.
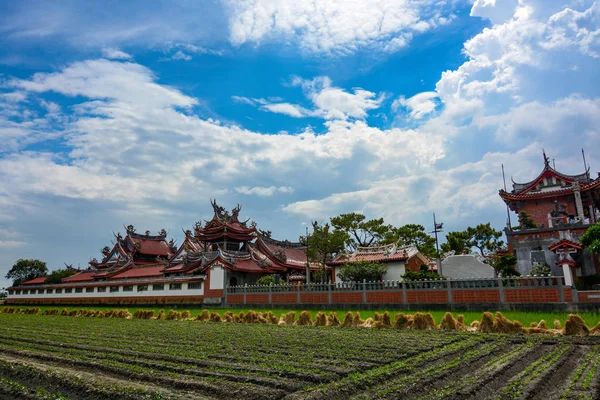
column 140, row 272
column 35, row 281
column 152, row 247
column 81, row 277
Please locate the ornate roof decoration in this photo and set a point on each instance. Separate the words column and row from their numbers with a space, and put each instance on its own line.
column 550, row 183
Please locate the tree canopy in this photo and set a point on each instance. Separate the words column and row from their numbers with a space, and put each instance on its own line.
column 505, row 265
column 362, row 270
column 360, row 232
column 457, row 242
column 324, row 244
column 413, row 235
column 58, row 275
column 26, row 269
column 591, row 238
column 483, row 237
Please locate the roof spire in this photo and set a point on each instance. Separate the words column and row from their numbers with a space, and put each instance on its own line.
column 546, row 159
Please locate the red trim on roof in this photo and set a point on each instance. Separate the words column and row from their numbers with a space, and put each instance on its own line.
column 565, row 244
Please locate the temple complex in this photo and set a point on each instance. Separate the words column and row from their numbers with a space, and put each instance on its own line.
column 217, row 253
column 554, row 210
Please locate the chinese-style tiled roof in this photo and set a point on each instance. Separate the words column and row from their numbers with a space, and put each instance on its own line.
column 565, row 244
column 140, row 272
column 80, row 277
column 224, row 224
column 149, row 245
column 564, row 185
column 284, row 253
column 35, row 281
column 382, row 254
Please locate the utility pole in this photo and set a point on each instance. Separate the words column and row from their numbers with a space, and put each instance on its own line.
column 307, row 263
column 437, row 228
column 507, row 208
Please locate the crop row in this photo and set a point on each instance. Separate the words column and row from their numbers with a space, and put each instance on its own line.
column 574, row 324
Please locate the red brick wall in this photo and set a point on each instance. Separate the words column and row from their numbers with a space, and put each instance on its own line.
column 476, row 296
column 538, row 295
column 427, row 296
column 316, row 298
column 384, row 297
column 284, row 298
column 539, row 209
column 256, row 298
column 346, row 297
column 591, row 296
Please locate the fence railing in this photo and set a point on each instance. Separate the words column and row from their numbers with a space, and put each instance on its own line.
column 487, row 288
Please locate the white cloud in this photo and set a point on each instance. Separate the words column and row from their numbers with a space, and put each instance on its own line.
column 264, row 191
column 329, row 102
column 418, row 106
column 334, row 26
column 115, row 54
column 292, row 110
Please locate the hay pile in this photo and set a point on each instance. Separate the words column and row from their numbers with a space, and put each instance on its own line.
column 287, row 319
column 228, row 317
column 575, row 326
column 320, row 319
column 449, row 323
column 401, row 321
column 332, row 319
column 357, row 321
column 142, row 314
column 203, row 316
column 305, row 319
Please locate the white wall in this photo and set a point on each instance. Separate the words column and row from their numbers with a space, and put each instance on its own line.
column 217, row 277
column 394, row 271
column 184, row 291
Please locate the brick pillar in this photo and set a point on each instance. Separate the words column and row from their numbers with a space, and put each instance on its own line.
column 364, row 291
column 501, row 289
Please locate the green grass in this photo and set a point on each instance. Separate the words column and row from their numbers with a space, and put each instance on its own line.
column 525, row 317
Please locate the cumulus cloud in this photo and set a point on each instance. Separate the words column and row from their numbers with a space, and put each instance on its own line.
column 329, row 102
column 263, row 191
column 335, row 26
column 417, row 106
column 115, row 54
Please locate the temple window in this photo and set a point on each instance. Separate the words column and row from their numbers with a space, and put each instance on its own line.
column 49, row 291
column 69, row 290
column 89, row 290
column 102, row 289
column 128, row 288
column 40, row 291
column 58, row 291
column 175, row 286
column 114, row 289
column 142, row 288
column 195, row 285
column 17, row 292
column 79, row 290
column 158, row 287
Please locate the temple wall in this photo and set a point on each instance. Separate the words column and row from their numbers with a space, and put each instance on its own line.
column 538, row 209
column 166, row 292
column 395, row 270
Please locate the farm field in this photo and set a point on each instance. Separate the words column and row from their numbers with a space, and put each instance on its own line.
column 54, row 357
column 526, row 317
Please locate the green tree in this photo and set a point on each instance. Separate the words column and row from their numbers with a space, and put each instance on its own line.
column 360, row 232
column 24, row 270
column 420, row 275
column 525, row 221
column 505, row 265
column 413, row 235
column 485, row 238
column 58, row 275
column 362, row 270
column 324, row 244
column 266, row 280
column 456, row 241
column 591, row 238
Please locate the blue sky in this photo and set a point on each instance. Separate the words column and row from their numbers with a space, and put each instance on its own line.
column 113, row 114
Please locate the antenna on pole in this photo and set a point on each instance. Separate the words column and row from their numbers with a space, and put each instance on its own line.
column 437, row 228
column 507, row 208
column 591, row 192
column 307, row 263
